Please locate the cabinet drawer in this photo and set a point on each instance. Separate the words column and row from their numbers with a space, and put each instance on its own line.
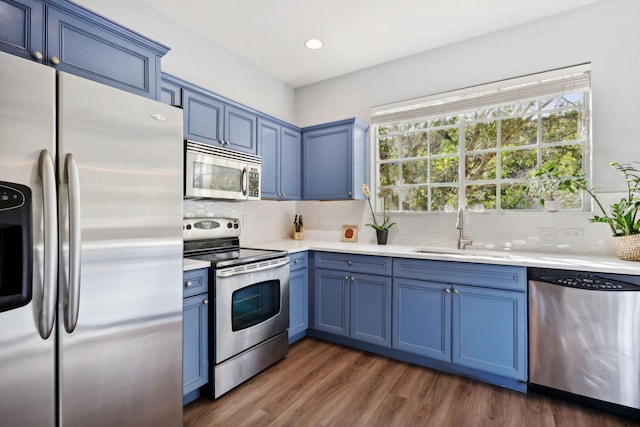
column 298, row 261
column 486, row 275
column 195, row 282
column 369, row 264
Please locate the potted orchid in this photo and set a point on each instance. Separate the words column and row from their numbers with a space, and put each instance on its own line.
column 382, row 229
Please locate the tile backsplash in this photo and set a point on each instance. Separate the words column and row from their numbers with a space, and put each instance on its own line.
column 565, row 231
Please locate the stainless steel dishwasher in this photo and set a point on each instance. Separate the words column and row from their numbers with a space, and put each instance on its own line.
column 584, row 338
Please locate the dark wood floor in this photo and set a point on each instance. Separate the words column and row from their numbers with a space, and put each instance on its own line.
column 322, row 384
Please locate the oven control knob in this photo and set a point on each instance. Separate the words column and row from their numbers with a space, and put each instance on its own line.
column 236, row 225
column 188, row 226
column 229, row 225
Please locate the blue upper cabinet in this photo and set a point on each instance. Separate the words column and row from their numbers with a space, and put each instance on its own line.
column 203, row 117
column 240, row 132
column 211, row 120
column 21, row 28
column 170, row 90
column 333, row 160
column 280, row 149
column 69, row 38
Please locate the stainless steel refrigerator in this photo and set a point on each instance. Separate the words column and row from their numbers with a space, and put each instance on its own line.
column 90, row 253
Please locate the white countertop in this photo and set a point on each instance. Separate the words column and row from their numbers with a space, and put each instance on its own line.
column 194, row 264
column 592, row 263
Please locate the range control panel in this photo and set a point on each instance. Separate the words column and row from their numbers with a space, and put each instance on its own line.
column 210, row 228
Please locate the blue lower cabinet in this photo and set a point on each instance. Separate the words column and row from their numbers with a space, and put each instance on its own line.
column 477, row 327
column 489, row 330
column 195, row 333
column 422, row 318
column 353, row 305
column 370, row 315
column 298, row 297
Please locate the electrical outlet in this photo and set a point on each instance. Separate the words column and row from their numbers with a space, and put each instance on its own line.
column 546, row 233
column 571, row 234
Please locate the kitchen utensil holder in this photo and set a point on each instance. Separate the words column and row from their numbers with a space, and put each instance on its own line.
column 297, row 235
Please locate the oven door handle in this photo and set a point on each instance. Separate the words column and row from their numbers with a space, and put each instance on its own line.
column 251, row 268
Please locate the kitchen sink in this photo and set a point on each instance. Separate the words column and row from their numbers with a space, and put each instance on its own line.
column 480, row 253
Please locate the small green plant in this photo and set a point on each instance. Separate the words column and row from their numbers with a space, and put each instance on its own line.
column 622, row 217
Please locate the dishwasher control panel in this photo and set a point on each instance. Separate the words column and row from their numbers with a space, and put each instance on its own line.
column 590, row 282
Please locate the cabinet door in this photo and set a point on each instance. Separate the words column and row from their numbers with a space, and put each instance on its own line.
column 269, row 142
column 422, row 318
column 298, row 304
column 489, row 330
column 290, row 169
column 195, row 342
column 203, row 117
column 370, row 317
column 170, row 93
column 328, row 163
column 100, row 53
column 240, row 131
column 331, row 301
column 22, row 28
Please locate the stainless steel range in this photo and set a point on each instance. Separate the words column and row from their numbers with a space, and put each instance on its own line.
column 248, row 326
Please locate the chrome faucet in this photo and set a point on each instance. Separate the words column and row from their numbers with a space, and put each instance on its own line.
column 462, row 243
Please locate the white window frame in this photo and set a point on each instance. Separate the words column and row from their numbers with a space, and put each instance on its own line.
column 454, row 103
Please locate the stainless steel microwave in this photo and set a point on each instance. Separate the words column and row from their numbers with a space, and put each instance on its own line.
column 219, row 173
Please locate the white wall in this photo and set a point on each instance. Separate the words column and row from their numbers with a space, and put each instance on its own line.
column 605, row 34
column 198, row 60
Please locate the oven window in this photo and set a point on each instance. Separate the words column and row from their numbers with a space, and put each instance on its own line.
column 215, row 177
column 255, row 304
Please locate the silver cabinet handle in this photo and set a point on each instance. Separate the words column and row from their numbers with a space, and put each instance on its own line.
column 346, row 277
column 455, row 291
column 296, row 261
column 37, row 55
column 350, row 194
column 71, row 298
column 352, row 278
column 349, row 262
column 54, row 60
column 188, row 284
column 205, row 301
column 447, row 290
column 47, row 310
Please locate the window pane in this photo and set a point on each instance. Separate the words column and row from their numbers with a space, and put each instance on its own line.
column 389, row 174
column 480, row 135
column 388, row 147
column 515, row 196
column 391, row 201
column 562, row 126
column 516, row 164
column 568, row 158
column 524, row 107
column 444, row 141
column 415, row 199
column 442, row 196
column 481, row 166
column 415, row 172
column 519, row 131
column 481, row 194
column 444, row 169
column 415, row 145
column 575, row 99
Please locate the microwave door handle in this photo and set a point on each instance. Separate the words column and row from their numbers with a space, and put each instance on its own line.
column 245, row 181
column 71, row 289
column 49, row 265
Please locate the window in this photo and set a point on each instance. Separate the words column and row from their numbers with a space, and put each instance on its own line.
column 478, row 147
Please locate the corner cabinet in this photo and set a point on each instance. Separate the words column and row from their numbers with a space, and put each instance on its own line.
column 471, row 315
column 211, row 120
column 298, row 296
column 334, row 160
column 72, row 39
column 281, row 152
column 195, row 338
column 352, row 296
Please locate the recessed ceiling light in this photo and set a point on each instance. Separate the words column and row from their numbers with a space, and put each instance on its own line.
column 313, row 44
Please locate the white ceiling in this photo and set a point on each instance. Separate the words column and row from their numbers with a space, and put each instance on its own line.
column 356, row 33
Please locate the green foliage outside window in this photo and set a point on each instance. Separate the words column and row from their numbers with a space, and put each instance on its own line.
column 419, row 162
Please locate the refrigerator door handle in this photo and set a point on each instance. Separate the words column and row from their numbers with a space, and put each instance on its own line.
column 47, row 310
column 71, row 290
